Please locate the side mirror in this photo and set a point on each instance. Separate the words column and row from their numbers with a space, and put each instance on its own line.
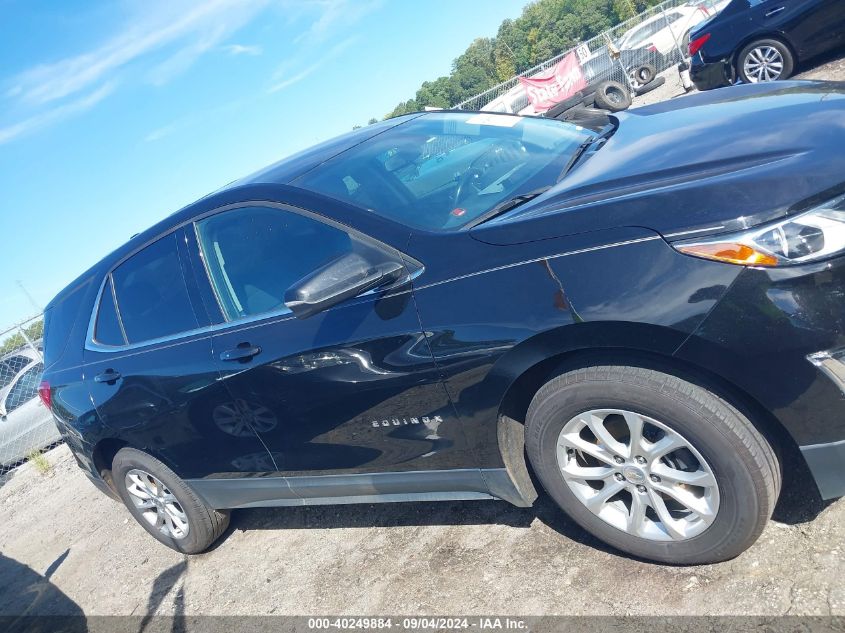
column 337, row 281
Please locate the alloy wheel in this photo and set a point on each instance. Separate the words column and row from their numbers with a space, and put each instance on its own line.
column 638, row 474
column 157, row 504
column 764, row 63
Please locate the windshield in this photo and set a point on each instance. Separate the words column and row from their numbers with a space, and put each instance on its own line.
column 443, row 170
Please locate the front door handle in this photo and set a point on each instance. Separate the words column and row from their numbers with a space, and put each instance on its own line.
column 110, row 376
column 243, row 352
column 769, row 14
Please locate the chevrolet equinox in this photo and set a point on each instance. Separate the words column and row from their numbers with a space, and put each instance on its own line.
column 641, row 312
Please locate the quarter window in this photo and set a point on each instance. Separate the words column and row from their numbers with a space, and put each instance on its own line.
column 108, row 330
column 152, row 298
column 255, row 254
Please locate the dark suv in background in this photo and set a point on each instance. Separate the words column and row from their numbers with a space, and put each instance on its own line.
column 763, row 40
column 420, row 309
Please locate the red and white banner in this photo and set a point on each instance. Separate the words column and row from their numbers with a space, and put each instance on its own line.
column 555, row 85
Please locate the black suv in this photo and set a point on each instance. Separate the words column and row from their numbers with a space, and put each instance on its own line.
column 409, row 311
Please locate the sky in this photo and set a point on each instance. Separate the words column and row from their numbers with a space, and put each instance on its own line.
column 114, row 114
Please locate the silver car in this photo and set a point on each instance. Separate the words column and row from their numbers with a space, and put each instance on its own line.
column 26, row 425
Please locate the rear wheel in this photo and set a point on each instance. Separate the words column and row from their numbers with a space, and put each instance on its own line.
column 765, row 60
column 652, row 464
column 164, row 505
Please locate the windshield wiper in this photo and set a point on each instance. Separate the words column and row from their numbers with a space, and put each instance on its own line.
column 507, row 205
column 583, row 147
column 579, row 151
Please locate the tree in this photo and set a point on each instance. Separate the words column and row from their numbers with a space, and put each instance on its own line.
column 545, row 29
column 33, row 332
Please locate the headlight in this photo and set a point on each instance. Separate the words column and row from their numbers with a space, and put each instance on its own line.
column 813, row 235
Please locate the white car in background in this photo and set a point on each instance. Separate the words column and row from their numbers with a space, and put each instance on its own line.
column 665, row 32
column 26, row 425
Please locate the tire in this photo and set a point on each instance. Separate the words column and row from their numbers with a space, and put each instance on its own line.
column 643, row 75
column 204, row 524
column 575, row 101
column 654, row 83
column 785, row 59
column 612, row 96
column 739, row 466
column 586, row 117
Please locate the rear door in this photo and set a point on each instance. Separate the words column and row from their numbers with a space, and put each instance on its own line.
column 353, row 389
column 150, row 372
column 814, row 26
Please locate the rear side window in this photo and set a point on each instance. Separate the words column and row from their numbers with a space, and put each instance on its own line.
column 59, row 319
column 255, row 254
column 152, row 298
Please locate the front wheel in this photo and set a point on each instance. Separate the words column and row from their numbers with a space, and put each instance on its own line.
column 164, row 505
column 652, row 464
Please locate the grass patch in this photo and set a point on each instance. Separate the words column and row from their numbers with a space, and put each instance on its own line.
column 40, row 461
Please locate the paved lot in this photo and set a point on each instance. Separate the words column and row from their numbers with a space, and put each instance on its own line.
column 65, row 548
column 437, row 558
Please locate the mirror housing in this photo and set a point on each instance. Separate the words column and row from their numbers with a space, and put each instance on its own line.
column 337, row 281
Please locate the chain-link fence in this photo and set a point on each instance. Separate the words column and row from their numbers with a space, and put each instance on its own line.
column 26, row 425
column 632, row 53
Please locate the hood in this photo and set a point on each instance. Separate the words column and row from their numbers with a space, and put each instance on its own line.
column 707, row 163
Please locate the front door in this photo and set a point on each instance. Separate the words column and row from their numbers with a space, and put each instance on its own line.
column 352, row 389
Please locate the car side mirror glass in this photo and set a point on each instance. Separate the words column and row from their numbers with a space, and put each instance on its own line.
column 341, row 279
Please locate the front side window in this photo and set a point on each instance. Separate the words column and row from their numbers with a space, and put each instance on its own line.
column 255, row 254
column 442, row 170
column 25, row 389
column 152, row 298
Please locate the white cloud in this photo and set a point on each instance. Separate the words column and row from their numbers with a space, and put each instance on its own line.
column 243, row 49
column 55, row 115
column 162, row 25
column 172, row 35
column 333, row 14
column 194, row 118
column 283, row 79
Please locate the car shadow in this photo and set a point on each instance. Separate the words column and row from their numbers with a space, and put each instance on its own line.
column 30, row 602
column 429, row 513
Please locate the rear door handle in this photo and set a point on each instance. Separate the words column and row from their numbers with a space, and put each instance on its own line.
column 110, row 376
column 769, row 14
column 244, row 351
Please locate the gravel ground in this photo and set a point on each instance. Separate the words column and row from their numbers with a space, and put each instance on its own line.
column 475, row 557
column 65, row 548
